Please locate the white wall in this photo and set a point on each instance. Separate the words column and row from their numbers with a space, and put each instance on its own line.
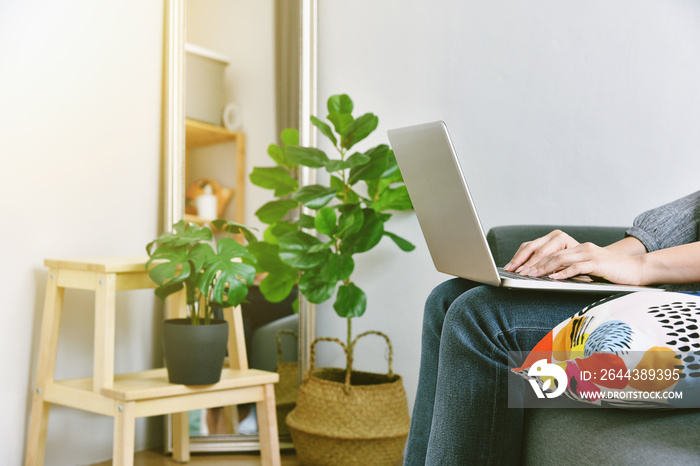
column 563, row 112
column 80, row 92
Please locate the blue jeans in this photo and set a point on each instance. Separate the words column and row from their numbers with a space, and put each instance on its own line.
column 461, row 414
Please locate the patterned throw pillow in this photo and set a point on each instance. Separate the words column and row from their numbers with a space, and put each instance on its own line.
column 632, row 350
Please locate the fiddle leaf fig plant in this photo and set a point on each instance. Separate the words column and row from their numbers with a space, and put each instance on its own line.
column 212, row 273
column 349, row 212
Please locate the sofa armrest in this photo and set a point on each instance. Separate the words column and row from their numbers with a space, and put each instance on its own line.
column 504, row 241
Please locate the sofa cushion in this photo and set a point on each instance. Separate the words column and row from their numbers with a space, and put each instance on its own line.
column 611, row 436
column 631, row 350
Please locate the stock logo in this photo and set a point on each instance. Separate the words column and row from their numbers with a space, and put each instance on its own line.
column 547, row 373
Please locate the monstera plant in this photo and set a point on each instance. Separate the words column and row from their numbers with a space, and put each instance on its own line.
column 349, row 212
column 211, row 274
column 214, row 275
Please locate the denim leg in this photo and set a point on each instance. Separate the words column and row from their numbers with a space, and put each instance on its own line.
column 436, row 308
column 461, row 414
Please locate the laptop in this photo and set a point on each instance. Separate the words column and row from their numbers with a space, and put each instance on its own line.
column 448, row 217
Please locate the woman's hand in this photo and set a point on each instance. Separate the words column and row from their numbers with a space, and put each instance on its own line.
column 560, row 256
column 533, row 252
column 589, row 259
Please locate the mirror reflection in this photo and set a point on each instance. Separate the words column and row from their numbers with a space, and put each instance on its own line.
column 242, row 87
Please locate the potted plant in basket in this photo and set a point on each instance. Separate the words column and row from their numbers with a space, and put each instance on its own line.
column 349, row 213
column 214, row 275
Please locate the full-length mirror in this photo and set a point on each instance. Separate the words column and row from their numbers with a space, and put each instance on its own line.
column 237, row 73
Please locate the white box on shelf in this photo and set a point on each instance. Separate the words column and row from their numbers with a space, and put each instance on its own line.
column 204, row 84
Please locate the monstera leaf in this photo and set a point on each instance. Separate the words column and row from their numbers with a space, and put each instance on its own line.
column 175, row 258
column 224, row 280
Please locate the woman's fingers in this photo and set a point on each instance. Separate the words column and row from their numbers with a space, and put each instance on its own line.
column 568, row 262
column 532, row 252
column 589, row 259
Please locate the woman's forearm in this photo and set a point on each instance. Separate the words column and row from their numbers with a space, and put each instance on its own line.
column 679, row 264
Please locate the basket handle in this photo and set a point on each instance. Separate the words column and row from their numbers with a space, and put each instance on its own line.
column 388, row 343
column 312, row 361
column 279, row 342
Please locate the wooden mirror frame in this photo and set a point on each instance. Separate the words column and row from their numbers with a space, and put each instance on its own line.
column 173, row 185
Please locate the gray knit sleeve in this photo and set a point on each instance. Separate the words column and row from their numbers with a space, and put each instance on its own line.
column 669, row 225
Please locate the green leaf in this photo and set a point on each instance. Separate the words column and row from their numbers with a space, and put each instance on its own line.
column 345, row 194
column 357, row 159
column 359, row 129
column 341, row 122
column 294, row 250
column 183, row 234
column 290, row 137
column 338, row 267
column 267, row 257
column 163, row 291
column 393, row 199
column 274, row 211
column 225, row 281
column 171, row 266
column 176, row 258
column 366, row 237
column 235, row 229
column 379, row 158
column 340, row 103
column 307, row 156
column 400, row 242
column 352, row 197
column 350, row 221
column 305, row 221
column 276, row 230
column 325, row 130
column 276, row 178
column 325, row 221
column 316, row 288
column 315, row 196
column 351, row 301
column 277, row 154
column 320, row 247
column 280, row 278
column 336, row 165
column 337, row 183
column 277, row 286
column 392, row 168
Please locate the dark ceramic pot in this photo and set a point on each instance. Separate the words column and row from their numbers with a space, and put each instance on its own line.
column 194, row 354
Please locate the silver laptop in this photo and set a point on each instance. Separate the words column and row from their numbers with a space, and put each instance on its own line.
column 448, row 218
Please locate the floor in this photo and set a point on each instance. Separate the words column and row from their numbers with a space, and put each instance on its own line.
column 157, row 458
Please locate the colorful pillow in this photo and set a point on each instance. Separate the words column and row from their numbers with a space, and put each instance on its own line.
column 635, row 349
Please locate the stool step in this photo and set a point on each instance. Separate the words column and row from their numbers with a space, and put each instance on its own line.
column 101, row 264
column 154, row 384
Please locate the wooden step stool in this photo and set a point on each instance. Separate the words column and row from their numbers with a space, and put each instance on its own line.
column 128, row 396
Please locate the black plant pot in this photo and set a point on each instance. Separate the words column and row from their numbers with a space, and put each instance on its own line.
column 194, row 354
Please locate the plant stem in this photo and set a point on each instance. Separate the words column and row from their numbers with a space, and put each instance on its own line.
column 350, row 349
column 192, row 308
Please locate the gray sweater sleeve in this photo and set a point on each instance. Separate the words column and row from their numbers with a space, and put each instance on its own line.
column 669, row 225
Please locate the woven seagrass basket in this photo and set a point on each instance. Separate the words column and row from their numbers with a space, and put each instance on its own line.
column 287, row 388
column 346, row 417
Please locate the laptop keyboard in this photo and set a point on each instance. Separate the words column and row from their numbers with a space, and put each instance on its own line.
column 517, row 276
column 579, row 279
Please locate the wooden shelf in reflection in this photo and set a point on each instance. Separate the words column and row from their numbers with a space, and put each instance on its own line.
column 199, row 134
